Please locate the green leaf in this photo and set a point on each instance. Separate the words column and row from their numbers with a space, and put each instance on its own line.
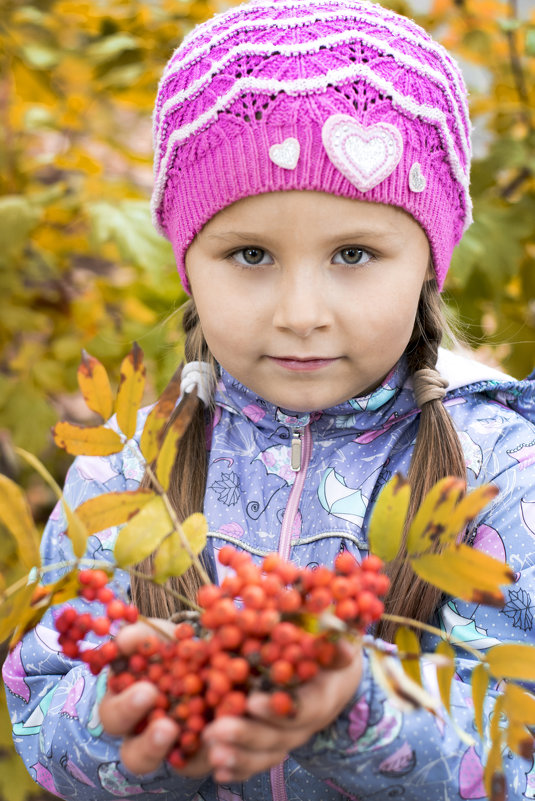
column 387, row 522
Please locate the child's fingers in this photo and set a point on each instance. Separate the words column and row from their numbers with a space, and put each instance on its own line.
column 231, row 765
column 120, row 713
column 145, row 752
column 129, row 637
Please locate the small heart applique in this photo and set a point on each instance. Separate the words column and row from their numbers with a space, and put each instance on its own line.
column 417, row 182
column 365, row 155
column 286, row 154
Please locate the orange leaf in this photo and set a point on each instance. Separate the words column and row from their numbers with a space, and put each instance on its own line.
column 466, row 510
column 87, row 440
column 512, row 661
column 95, row 386
column 130, row 394
column 158, row 417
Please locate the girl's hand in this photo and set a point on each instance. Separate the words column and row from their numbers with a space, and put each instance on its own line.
column 120, row 713
column 238, row 748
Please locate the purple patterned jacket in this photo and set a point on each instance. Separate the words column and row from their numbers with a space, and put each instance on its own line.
column 255, row 500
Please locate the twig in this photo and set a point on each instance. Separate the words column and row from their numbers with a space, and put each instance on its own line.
column 407, row 621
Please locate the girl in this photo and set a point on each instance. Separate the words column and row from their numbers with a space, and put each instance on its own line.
column 311, row 172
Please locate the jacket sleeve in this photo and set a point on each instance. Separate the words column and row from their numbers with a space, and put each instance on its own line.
column 53, row 701
column 377, row 750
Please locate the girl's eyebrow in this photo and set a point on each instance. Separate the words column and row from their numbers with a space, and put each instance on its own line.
column 351, row 235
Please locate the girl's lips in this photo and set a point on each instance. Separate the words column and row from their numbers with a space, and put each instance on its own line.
column 302, row 365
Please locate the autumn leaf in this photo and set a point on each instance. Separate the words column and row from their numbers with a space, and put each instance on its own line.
column 512, row 661
column 112, row 509
column 466, row 510
column 167, row 455
column 12, row 607
column 43, row 597
column 158, row 417
column 445, row 671
column 143, row 534
column 433, row 515
column 465, row 573
column 480, row 683
column 87, row 440
column 16, row 516
column 388, row 519
column 409, row 652
column 95, row 386
column 130, row 393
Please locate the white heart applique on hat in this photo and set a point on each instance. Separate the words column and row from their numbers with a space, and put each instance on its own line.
column 365, row 155
column 286, row 154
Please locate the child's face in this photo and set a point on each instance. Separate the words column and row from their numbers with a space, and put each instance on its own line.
column 307, row 298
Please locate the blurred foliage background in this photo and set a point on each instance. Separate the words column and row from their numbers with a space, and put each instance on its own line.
column 81, row 266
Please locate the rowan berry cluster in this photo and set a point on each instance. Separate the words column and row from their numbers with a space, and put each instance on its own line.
column 73, row 626
column 269, row 627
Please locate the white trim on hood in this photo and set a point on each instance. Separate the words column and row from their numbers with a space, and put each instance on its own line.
column 460, row 371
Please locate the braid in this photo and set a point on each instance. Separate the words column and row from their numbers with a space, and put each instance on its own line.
column 437, row 453
column 187, row 486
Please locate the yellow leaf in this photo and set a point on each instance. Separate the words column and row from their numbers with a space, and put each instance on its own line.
column 409, row 652
column 195, row 527
column 130, row 394
column 445, row 672
column 512, row 661
column 519, row 705
column 86, row 440
column 466, row 510
column 388, row 518
column 143, row 534
column 172, row 559
column 12, row 607
column 520, row 740
column 158, row 417
column 167, row 455
column 42, row 599
column 408, row 695
column 480, row 682
column 16, row 517
column 95, row 386
column 76, row 530
column 112, row 509
column 465, row 573
column 493, row 773
column 434, row 512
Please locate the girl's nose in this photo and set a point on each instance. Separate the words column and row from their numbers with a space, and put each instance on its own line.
column 302, row 302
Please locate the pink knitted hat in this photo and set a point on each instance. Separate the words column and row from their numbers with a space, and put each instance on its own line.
column 339, row 96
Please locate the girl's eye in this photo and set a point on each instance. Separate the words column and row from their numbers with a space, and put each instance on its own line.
column 252, row 257
column 354, row 256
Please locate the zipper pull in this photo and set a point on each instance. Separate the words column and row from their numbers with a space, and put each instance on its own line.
column 297, row 447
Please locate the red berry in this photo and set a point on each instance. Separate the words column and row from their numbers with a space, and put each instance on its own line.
column 115, row 609
column 372, row 563
column 346, row 563
column 281, row 703
column 226, row 555
column 101, row 626
column 281, row 672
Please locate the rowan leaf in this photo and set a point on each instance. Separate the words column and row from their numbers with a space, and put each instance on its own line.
column 493, row 777
column 95, row 386
column 409, row 653
column 16, row 516
column 519, row 705
column 433, row 515
column 408, row 694
column 465, row 511
column 387, row 522
column 512, row 661
column 130, row 393
column 158, row 417
column 87, row 440
column 112, row 509
column 465, row 573
column 173, row 558
column 480, row 683
column 43, row 597
column 520, row 740
column 195, row 527
column 167, row 455
column 12, row 607
column 445, row 671
column 143, row 534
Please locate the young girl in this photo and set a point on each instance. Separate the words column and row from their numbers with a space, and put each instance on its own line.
column 312, row 163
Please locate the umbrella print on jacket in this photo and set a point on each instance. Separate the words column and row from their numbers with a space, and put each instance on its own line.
column 340, row 500
column 277, row 461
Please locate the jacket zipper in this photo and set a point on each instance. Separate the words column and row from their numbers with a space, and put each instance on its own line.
column 301, row 450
